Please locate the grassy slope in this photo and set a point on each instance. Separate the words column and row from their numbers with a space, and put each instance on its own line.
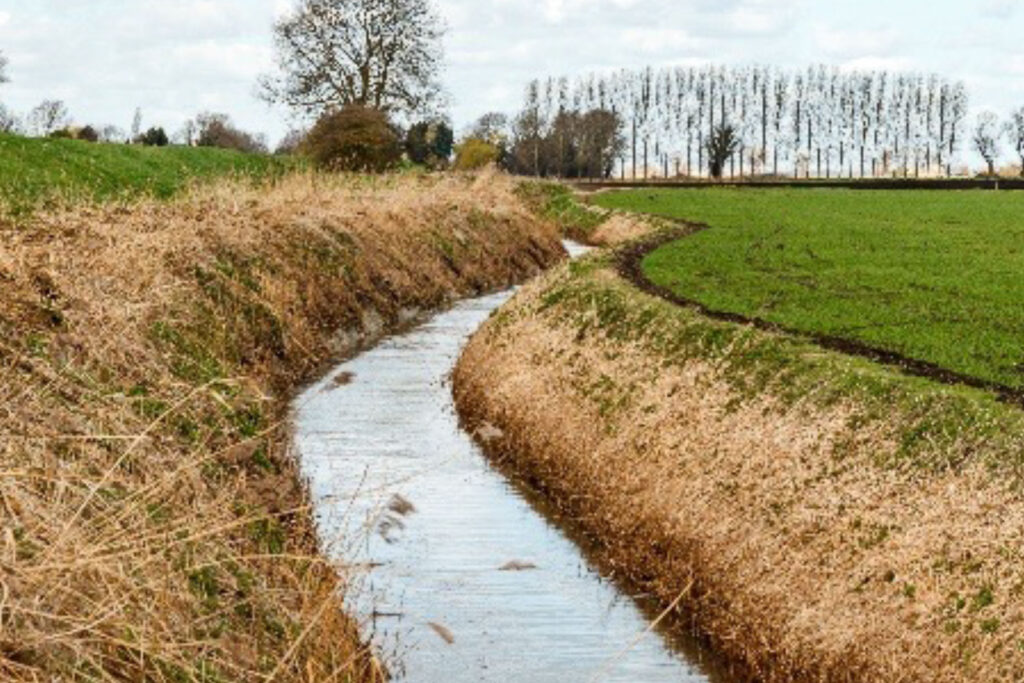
column 556, row 202
column 932, row 275
column 34, row 171
column 855, row 519
column 154, row 525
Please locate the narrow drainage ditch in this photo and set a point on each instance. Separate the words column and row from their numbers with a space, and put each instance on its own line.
column 464, row 575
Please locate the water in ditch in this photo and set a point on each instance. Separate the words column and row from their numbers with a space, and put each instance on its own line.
column 463, row 575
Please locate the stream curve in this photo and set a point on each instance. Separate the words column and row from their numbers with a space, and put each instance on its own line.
column 466, row 576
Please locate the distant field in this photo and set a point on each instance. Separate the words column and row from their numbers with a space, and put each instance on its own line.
column 937, row 276
column 34, row 171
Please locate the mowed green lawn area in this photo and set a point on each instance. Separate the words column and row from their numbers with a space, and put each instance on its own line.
column 934, row 275
column 34, row 171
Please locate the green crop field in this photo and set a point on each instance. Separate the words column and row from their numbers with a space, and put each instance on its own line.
column 34, row 171
column 937, row 276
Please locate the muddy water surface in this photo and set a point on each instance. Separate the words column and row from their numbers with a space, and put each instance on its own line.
column 466, row 579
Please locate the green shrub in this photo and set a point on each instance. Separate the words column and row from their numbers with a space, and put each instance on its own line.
column 155, row 137
column 355, row 138
column 88, row 134
column 430, row 144
column 474, row 153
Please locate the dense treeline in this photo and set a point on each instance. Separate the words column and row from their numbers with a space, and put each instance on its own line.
column 820, row 122
column 572, row 144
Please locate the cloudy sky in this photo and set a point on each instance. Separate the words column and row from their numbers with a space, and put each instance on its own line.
column 172, row 59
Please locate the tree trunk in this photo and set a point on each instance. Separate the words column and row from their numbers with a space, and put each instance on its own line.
column 700, row 152
column 634, row 148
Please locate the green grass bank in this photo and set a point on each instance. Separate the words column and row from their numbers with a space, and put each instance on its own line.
column 37, row 172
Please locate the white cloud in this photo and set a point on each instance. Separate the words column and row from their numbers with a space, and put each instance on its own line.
column 855, row 43
column 659, row 41
column 174, row 58
column 999, row 9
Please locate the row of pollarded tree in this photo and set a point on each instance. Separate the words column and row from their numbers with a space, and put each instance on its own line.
column 820, row 122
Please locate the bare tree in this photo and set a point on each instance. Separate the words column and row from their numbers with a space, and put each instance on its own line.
column 492, row 128
column 217, row 130
column 986, row 139
column 291, row 142
column 1015, row 134
column 9, row 121
column 3, row 69
column 721, row 146
column 137, row 124
column 48, row 116
column 875, row 122
column 383, row 54
column 186, row 135
column 112, row 134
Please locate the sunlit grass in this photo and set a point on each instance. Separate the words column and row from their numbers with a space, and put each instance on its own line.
column 35, row 172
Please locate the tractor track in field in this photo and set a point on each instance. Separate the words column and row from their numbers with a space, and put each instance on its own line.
column 629, row 264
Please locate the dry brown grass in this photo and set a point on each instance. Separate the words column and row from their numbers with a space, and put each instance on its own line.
column 620, row 228
column 809, row 559
column 152, row 525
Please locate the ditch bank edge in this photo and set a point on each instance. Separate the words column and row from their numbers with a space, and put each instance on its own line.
column 223, row 304
column 806, row 525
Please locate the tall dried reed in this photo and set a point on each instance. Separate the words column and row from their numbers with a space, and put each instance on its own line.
column 152, row 523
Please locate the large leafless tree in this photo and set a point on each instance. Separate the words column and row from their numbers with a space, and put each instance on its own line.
column 1015, row 134
column 49, row 116
column 382, row 54
column 986, row 139
column 8, row 121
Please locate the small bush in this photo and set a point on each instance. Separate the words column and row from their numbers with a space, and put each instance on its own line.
column 473, row 154
column 430, row 144
column 354, row 139
column 89, row 134
column 154, row 137
column 217, row 130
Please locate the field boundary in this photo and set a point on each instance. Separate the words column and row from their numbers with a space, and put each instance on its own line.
column 629, row 264
column 1003, row 184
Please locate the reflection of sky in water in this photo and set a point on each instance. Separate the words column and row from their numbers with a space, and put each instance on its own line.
column 392, row 432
